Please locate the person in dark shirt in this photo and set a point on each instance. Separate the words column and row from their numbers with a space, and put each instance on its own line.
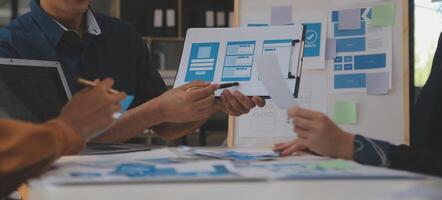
column 317, row 133
column 94, row 46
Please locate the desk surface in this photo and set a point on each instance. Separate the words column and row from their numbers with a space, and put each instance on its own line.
column 429, row 188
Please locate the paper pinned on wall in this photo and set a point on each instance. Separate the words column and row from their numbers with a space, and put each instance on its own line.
column 274, row 83
column 330, row 52
column 281, row 15
column 383, row 15
column 349, row 19
column 345, row 112
column 378, row 83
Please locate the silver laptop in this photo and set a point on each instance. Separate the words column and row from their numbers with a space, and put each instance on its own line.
column 32, row 90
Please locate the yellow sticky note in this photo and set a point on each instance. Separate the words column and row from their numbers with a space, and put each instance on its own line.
column 345, row 112
column 383, row 15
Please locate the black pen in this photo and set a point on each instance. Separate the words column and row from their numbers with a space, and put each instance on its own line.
column 221, row 86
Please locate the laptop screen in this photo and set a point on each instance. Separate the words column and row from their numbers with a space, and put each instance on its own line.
column 31, row 93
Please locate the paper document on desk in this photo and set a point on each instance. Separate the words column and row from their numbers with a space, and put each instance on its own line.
column 237, row 154
column 321, row 169
column 146, row 171
column 274, row 83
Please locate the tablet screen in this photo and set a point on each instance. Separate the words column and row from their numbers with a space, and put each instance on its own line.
column 31, row 93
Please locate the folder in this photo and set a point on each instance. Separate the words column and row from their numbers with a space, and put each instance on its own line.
column 220, row 19
column 210, row 18
column 158, row 23
column 230, row 20
column 170, row 23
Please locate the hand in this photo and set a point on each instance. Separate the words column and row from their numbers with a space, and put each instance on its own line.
column 316, row 132
column 90, row 111
column 237, row 104
column 184, row 104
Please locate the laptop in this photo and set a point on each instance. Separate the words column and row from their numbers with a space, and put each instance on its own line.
column 36, row 91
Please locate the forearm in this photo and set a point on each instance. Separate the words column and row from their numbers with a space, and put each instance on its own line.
column 172, row 131
column 134, row 122
column 417, row 160
column 26, row 150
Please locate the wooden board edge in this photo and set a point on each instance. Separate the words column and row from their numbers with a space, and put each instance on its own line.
column 231, row 121
column 406, row 69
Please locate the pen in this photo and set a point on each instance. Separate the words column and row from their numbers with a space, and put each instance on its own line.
column 88, row 83
column 221, row 86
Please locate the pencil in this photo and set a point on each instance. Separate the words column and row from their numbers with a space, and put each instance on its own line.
column 89, row 83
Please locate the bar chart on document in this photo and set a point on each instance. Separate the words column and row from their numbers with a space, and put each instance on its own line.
column 362, row 53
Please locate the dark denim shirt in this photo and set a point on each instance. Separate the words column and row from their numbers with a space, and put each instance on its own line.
column 118, row 52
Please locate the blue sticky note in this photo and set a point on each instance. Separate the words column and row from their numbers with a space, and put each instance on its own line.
column 126, row 103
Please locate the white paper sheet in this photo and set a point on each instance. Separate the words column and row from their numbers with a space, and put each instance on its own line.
column 275, row 84
column 359, row 52
column 224, row 55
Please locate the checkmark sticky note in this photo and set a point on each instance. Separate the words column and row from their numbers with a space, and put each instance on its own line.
column 383, row 15
column 126, row 103
column 345, row 112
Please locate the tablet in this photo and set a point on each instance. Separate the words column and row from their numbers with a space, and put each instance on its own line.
column 32, row 90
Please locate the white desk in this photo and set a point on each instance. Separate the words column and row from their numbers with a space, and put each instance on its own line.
column 271, row 190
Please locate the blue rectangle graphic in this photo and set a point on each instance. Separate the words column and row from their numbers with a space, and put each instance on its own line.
column 349, row 81
column 350, row 45
column 202, row 62
column 238, row 62
column 373, row 61
column 344, row 33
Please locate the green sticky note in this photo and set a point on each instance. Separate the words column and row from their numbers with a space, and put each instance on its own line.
column 383, row 15
column 331, row 165
column 345, row 112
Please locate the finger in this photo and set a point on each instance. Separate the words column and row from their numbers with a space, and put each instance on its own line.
column 115, row 98
column 282, row 146
column 116, row 108
column 205, row 103
column 303, row 123
column 106, row 84
column 201, row 93
column 204, row 114
column 260, row 102
column 234, row 104
column 302, row 112
column 245, row 101
column 298, row 146
column 304, row 134
column 194, row 84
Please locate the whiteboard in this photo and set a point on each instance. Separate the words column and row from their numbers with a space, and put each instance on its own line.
column 384, row 117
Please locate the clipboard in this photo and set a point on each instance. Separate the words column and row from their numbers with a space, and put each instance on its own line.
column 224, row 55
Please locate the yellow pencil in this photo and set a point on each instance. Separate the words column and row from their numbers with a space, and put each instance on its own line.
column 89, row 83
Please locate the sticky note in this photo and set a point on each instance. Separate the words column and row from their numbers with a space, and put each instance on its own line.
column 383, row 15
column 378, row 83
column 126, row 103
column 345, row 112
column 350, row 19
column 330, row 52
column 281, row 15
column 331, row 165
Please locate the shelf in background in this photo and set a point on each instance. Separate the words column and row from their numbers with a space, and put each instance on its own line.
column 163, row 39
